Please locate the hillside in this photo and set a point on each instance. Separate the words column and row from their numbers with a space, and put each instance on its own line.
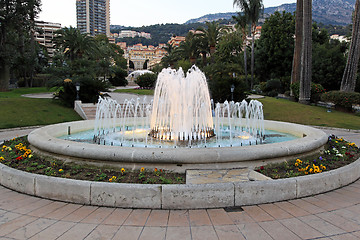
column 335, row 12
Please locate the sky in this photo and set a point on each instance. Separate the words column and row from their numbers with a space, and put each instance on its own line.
column 138, row 13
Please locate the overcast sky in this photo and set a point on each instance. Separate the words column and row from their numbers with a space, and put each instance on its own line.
column 144, row 12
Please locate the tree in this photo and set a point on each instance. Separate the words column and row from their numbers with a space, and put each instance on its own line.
column 306, row 54
column 17, row 18
column 76, row 45
column 253, row 9
column 296, row 66
column 328, row 64
column 274, row 52
column 212, row 35
column 348, row 81
column 189, row 49
column 241, row 23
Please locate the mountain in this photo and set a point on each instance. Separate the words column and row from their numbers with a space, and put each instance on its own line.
column 335, row 12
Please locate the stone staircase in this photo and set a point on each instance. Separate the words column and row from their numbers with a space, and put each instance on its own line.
column 86, row 110
column 90, row 111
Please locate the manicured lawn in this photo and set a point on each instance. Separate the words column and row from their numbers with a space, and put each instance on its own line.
column 17, row 111
column 136, row 91
column 287, row 111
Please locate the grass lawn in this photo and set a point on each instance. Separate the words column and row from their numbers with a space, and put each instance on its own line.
column 136, row 91
column 17, row 111
column 287, row 111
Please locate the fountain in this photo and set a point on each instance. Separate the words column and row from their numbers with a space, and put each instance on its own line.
column 180, row 129
column 181, row 115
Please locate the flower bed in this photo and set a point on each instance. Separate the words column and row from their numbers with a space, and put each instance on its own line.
column 337, row 153
column 16, row 154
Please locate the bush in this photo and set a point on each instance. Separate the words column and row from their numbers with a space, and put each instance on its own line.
column 342, row 100
column 273, row 85
column 316, row 91
column 118, row 79
column 89, row 91
column 147, row 80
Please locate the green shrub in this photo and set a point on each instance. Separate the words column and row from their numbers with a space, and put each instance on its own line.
column 273, row 85
column 316, row 91
column 89, row 90
column 342, row 100
column 147, row 80
column 118, row 78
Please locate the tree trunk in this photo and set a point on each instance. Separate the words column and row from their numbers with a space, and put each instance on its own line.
column 244, row 39
column 296, row 67
column 4, row 77
column 245, row 64
column 306, row 55
column 252, row 56
column 348, row 81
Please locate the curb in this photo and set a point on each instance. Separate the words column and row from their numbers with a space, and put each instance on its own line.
column 177, row 196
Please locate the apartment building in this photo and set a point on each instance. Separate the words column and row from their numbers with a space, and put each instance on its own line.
column 93, row 16
column 44, row 34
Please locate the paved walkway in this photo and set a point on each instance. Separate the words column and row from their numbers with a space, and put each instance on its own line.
column 333, row 215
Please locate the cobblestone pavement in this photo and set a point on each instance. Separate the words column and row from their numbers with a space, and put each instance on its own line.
column 333, row 215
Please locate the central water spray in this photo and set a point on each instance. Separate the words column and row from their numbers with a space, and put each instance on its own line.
column 181, row 114
column 181, row 107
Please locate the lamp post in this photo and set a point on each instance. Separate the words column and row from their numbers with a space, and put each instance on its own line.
column 77, row 86
column 232, row 88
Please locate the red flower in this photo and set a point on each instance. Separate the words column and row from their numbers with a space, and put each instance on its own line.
column 262, row 168
column 19, row 158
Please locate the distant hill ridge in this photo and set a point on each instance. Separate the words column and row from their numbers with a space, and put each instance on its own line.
column 335, row 12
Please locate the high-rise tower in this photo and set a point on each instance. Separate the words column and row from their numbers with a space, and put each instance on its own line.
column 93, row 16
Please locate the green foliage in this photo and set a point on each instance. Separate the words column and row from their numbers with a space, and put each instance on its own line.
column 17, row 20
column 342, row 99
column 220, row 79
column 146, row 80
column 275, row 48
column 118, row 77
column 87, row 61
column 316, row 91
column 328, row 64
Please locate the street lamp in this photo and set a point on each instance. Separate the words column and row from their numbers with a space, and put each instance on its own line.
column 232, row 88
column 77, row 86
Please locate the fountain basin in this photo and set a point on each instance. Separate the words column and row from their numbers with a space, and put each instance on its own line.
column 45, row 141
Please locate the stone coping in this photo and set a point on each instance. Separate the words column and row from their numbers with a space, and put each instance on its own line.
column 44, row 140
column 177, row 196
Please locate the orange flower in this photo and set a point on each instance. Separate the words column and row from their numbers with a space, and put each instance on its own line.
column 155, row 169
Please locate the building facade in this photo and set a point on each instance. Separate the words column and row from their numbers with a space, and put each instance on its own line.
column 44, row 34
column 139, row 54
column 93, row 16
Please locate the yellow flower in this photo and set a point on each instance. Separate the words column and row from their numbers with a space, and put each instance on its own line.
column 112, row 179
column 30, row 156
column 306, row 173
column 61, row 170
column 311, row 170
column 122, row 170
column 2, row 158
column 142, row 169
column 296, row 164
column 323, row 167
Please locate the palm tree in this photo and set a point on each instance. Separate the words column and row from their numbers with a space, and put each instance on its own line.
column 189, row 49
column 253, row 9
column 241, row 22
column 296, row 68
column 306, row 54
column 212, row 35
column 74, row 44
column 349, row 78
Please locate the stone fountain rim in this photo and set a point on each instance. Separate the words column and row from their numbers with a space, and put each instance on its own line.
column 45, row 140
